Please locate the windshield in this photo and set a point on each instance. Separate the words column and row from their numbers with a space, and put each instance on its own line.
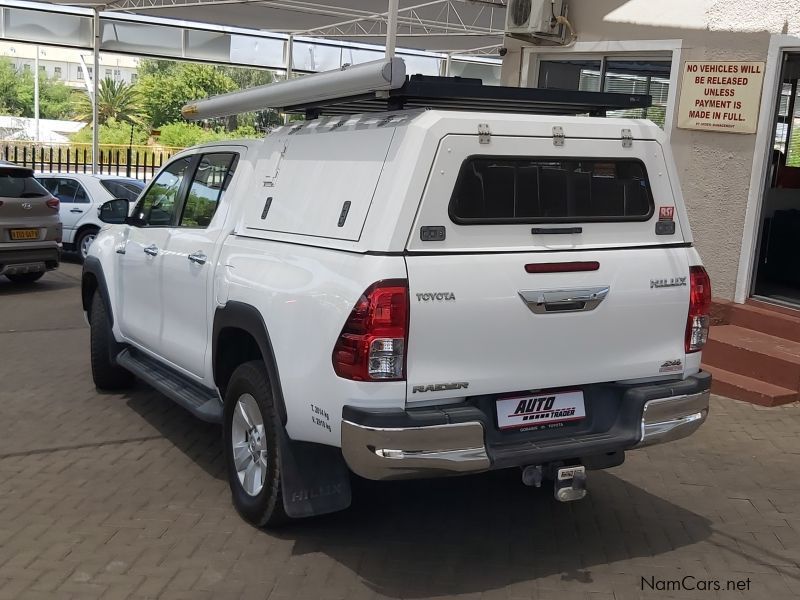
column 128, row 189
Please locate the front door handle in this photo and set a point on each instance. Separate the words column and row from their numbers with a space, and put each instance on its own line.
column 198, row 258
column 555, row 301
column 76, row 210
column 151, row 250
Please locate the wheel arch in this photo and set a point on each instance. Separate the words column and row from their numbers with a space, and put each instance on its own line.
column 85, row 227
column 239, row 330
column 94, row 281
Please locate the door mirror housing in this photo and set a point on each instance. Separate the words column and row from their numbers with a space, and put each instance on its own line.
column 114, row 212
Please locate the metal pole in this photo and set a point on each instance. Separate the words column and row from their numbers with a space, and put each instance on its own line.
column 790, row 118
column 95, row 91
column 36, row 94
column 289, row 64
column 391, row 28
column 289, row 55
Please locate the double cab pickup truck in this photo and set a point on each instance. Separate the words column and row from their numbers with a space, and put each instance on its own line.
column 410, row 294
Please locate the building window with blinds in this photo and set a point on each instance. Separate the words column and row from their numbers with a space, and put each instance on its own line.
column 611, row 74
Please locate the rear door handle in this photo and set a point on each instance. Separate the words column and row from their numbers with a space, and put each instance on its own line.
column 151, row 250
column 559, row 301
column 198, row 258
column 76, row 210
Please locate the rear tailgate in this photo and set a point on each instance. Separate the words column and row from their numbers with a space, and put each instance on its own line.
column 25, row 215
column 502, row 308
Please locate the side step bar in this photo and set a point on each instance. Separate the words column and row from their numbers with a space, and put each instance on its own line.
column 202, row 402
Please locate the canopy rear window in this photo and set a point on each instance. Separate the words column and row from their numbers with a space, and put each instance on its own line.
column 493, row 190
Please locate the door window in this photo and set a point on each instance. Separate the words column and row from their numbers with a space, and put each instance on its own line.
column 156, row 207
column 68, row 191
column 211, row 178
column 49, row 184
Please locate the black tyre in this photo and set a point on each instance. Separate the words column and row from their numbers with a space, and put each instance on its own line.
column 83, row 241
column 25, row 277
column 107, row 375
column 250, row 443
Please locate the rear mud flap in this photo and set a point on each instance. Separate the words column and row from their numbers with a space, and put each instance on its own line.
column 314, row 477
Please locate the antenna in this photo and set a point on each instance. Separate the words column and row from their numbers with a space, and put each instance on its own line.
column 370, row 78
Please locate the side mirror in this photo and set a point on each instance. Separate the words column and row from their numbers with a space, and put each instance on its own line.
column 114, row 212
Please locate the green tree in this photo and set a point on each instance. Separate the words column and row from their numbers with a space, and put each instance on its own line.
column 165, row 86
column 112, row 132
column 16, row 94
column 246, row 78
column 115, row 100
column 181, row 134
column 55, row 100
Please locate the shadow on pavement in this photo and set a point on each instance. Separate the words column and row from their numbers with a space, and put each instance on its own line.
column 45, row 285
column 477, row 533
column 414, row 539
column 200, row 441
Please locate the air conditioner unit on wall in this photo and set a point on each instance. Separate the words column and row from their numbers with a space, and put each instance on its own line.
column 534, row 17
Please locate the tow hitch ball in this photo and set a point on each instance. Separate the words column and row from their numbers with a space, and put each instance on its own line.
column 570, row 482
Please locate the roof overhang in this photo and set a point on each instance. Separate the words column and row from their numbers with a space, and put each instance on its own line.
column 461, row 26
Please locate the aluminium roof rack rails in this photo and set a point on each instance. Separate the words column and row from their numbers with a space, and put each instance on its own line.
column 456, row 93
column 382, row 85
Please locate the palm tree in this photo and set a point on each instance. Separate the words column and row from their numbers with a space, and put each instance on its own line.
column 115, row 99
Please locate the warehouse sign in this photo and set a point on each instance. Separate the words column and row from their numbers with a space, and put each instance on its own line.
column 721, row 96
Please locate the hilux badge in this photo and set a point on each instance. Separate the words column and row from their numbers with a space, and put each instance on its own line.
column 671, row 282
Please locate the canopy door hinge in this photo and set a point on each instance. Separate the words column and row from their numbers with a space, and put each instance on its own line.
column 558, row 136
column 627, row 138
column 484, row 133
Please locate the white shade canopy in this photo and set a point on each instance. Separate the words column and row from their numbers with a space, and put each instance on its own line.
column 435, row 25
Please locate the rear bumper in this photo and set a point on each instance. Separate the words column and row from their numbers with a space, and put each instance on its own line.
column 29, row 258
column 456, row 439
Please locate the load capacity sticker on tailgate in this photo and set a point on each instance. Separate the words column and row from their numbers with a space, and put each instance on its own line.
column 540, row 410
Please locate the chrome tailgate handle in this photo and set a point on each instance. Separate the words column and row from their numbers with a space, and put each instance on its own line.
column 561, row 301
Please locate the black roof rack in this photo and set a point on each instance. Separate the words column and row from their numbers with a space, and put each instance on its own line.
column 458, row 93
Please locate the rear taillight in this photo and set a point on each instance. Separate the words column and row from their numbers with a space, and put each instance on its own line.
column 53, row 203
column 699, row 309
column 372, row 345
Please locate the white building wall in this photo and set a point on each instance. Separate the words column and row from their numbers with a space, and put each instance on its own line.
column 122, row 68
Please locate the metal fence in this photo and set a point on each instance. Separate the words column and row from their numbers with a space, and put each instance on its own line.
column 139, row 162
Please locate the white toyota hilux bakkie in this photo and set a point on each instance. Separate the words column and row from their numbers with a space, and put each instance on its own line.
column 410, row 294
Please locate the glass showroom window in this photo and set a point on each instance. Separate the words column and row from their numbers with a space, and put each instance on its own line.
column 611, row 74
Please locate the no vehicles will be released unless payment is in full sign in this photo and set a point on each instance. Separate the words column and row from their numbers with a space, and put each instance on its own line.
column 721, row 96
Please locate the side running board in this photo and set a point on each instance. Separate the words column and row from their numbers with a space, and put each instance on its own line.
column 202, row 402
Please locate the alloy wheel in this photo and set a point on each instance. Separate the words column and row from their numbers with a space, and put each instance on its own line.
column 249, row 444
column 86, row 241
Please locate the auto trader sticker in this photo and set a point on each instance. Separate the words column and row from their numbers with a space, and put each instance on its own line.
column 545, row 409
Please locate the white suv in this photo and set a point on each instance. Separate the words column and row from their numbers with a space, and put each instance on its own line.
column 410, row 294
column 80, row 195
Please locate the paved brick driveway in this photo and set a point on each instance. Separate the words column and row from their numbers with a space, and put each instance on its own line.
column 123, row 496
